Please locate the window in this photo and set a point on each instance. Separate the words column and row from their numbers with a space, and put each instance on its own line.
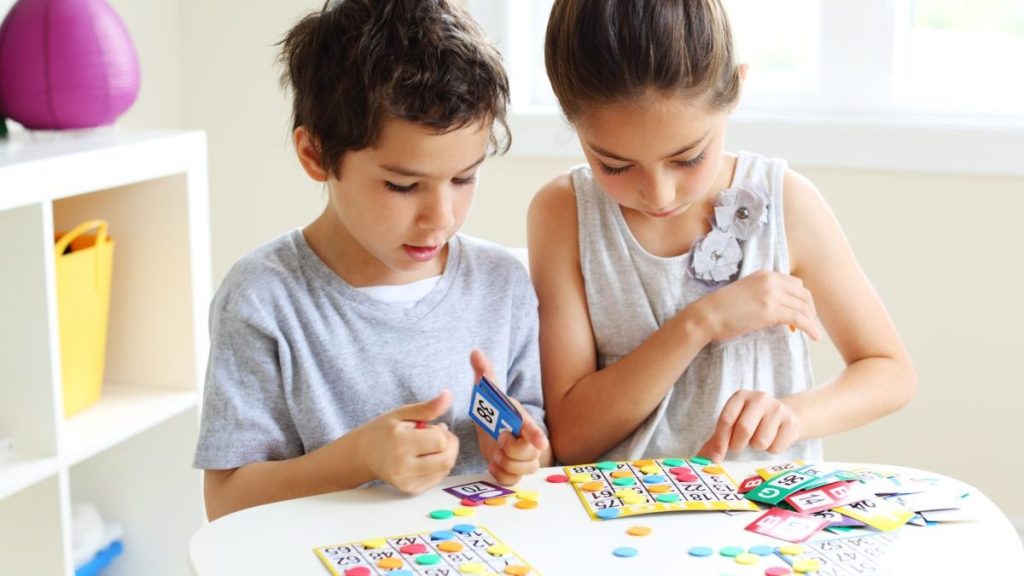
column 838, row 57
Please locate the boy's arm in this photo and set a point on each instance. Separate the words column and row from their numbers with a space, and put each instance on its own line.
column 879, row 377
column 331, row 468
column 396, row 447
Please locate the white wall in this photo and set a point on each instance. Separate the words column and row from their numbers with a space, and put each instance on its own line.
column 941, row 250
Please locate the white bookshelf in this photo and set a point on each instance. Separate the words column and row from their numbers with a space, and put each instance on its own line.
column 129, row 454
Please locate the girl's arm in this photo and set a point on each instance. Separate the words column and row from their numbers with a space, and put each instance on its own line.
column 590, row 411
column 878, row 378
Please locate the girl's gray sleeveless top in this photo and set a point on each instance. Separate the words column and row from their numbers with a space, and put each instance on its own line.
column 631, row 293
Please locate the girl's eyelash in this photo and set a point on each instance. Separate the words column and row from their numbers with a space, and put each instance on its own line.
column 464, row 181
column 396, row 188
column 692, row 161
column 613, row 171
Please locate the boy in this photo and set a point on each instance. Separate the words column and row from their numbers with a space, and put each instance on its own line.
column 332, row 346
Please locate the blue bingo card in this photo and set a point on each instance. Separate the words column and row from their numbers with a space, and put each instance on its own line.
column 492, row 410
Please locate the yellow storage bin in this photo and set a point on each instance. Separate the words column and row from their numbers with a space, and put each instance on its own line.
column 84, row 263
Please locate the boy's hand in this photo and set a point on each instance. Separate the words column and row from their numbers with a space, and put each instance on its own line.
column 758, row 301
column 401, row 450
column 510, row 458
column 755, row 419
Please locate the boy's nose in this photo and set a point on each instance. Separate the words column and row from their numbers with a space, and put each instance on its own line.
column 436, row 212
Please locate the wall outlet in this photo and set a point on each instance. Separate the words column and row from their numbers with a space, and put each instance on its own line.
column 6, row 447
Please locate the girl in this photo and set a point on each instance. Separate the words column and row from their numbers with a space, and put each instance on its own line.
column 677, row 281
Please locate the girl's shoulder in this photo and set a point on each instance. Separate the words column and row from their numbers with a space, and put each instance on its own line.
column 555, row 199
column 809, row 220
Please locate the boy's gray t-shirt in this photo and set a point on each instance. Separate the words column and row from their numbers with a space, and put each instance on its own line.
column 299, row 358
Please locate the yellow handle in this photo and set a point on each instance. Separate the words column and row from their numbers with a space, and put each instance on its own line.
column 65, row 240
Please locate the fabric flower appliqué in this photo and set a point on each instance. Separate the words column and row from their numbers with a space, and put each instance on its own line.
column 740, row 212
column 716, row 257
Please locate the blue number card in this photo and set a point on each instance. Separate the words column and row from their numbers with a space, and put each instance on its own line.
column 491, row 409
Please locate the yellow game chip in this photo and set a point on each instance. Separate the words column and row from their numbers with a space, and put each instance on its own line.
column 791, row 549
column 498, row 550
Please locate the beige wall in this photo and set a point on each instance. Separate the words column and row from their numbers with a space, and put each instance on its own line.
column 940, row 249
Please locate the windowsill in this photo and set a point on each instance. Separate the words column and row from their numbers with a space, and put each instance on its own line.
column 873, row 142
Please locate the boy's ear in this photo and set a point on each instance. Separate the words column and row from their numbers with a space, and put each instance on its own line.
column 308, row 151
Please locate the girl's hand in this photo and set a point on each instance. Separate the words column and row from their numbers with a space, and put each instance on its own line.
column 399, row 448
column 754, row 419
column 510, row 458
column 758, row 301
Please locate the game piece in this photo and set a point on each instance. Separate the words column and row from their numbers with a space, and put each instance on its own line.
column 700, row 551
column 557, row 478
column 491, row 409
column 769, row 472
column 778, row 487
column 805, row 565
column 623, row 486
column 761, row 550
column 468, row 545
column 528, row 495
column 877, row 513
column 750, row 483
column 777, row 571
column 450, row 546
column 625, row 552
column 827, row 497
column 480, row 491
column 786, row 525
column 495, row 501
column 639, row 530
column 428, row 559
column 526, row 504
column 746, row 558
column 441, row 514
column 731, row 551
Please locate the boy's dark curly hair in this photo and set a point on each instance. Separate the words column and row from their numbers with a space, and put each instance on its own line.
column 356, row 62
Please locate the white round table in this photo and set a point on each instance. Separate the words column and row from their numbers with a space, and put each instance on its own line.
column 558, row 537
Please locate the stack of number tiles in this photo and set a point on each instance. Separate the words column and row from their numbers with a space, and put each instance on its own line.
column 805, row 499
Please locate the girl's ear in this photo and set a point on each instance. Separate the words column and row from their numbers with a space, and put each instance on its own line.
column 309, row 154
column 741, row 71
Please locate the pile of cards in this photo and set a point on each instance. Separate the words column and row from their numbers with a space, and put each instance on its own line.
column 806, row 499
column 491, row 409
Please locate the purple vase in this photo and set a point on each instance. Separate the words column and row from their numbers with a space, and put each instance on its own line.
column 66, row 64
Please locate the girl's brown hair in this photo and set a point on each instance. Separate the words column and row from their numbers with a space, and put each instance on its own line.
column 605, row 51
column 357, row 62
